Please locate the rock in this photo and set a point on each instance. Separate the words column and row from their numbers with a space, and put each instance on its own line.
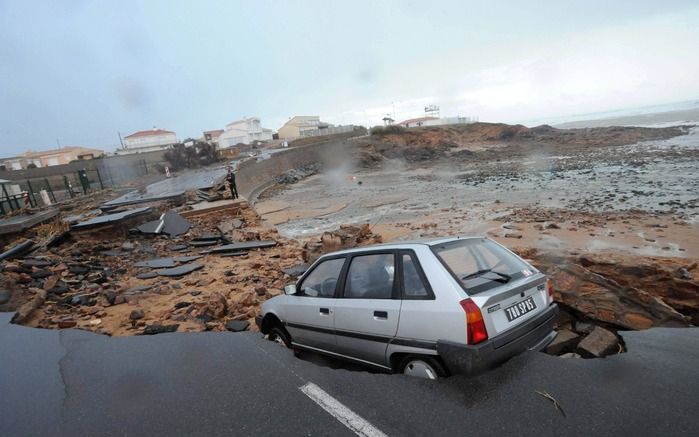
column 570, row 355
column 137, row 314
column 39, row 274
column 563, row 319
column 260, row 290
column 147, row 275
column 5, row 296
column 179, row 305
column 512, row 235
column 128, row 246
column 511, row 227
column 67, row 323
column 237, row 325
column 215, row 307
column 565, row 340
column 584, row 327
column 599, row 343
column 552, row 226
column 119, row 300
column 684, row 273
column 160, row 329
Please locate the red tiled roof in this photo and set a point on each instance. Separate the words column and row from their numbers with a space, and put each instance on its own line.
column 147, row 133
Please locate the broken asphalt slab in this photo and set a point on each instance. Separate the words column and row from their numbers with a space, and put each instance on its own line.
column 160, row 263
column 109, row 219
column 170, row 223
column 181, row 270
column 245, row 245
column 20, row 223
column 88, row 384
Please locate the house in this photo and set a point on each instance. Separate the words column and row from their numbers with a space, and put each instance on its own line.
column 245, row 131
column 48, row 158
column 417, row 122
column 301, row 124
column 148, row 141
column 211, row 136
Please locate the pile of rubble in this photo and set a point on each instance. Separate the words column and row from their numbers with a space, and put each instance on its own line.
column 158, row 269
column 297, row 174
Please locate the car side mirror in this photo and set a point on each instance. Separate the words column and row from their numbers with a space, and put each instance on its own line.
column 290, row 289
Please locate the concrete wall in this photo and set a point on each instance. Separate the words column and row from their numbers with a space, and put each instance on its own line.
column 253, row 177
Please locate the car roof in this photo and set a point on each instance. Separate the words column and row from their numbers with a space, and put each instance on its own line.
column 402, row 244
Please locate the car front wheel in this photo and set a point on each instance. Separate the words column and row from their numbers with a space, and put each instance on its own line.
column 422, row 367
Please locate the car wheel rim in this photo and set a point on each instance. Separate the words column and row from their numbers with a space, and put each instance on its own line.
column 420, row 369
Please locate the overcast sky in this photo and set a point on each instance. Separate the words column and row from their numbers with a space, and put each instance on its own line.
column 81, row 71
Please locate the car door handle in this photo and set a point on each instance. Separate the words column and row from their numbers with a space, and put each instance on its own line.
column 325, row 311
column 381, row 314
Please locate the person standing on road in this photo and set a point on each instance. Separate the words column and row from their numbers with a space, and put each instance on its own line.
column 231, row 183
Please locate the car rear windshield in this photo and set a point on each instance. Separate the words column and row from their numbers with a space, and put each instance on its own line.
column 479, row 264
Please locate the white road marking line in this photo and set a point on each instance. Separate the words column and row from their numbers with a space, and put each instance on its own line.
column 340, row 412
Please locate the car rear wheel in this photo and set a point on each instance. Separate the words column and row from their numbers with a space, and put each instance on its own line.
column 422, row 367
column 279, row 335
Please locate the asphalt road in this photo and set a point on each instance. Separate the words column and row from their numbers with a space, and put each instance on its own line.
column 77, row 383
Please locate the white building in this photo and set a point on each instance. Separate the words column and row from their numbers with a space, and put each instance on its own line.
column 148, row 141
column 245, row 131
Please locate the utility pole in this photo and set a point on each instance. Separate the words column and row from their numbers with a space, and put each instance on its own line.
column 120, row 140
column 58, row 143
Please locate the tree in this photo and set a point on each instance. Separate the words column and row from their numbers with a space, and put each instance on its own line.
column 199, row 154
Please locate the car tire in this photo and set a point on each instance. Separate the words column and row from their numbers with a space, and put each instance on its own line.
column 279, row 335
column 422, row 366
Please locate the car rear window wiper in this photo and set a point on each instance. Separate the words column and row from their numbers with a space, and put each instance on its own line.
column 504, row 278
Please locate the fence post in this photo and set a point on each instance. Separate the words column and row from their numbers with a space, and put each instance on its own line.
column 48, row 187
column 32, row 199
column 68, row 188
column 99, row 177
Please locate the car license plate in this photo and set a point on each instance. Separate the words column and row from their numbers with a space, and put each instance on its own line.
column 519, row 309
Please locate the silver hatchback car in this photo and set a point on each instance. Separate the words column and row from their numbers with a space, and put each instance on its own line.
column 428, row 308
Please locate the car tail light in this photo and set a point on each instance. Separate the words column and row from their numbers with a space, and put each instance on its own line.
column 474, row 322
column 549, row 288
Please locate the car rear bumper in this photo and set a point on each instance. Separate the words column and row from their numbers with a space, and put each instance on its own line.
column 535, row 334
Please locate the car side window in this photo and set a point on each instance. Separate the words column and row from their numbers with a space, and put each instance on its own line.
column 371, row 277
column 413, row 285
column 322, row 281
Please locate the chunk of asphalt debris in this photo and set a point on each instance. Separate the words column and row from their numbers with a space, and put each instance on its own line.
column 147, row 275
column 186, row 259
column 204, row 243
column 207, row 237
column 39, row 274
column 237, row 325
column 32, row 262
column 177, row 247
column 245, row 245
column 170, row 223
column 157, row 263
column 149, row 227
column 297, row 270
column 231, row 254
column 160, row 329
column 139, row 289
column 78, row 269
column 108, row 219
column 115, row 253
column 181, row 270
column 174, row 224
column 17, row 250
column 599, row 343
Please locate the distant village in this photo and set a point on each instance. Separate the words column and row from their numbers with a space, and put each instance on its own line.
column 233, row 138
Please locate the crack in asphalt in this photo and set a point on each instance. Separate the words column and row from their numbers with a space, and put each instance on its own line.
column 62, row 371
